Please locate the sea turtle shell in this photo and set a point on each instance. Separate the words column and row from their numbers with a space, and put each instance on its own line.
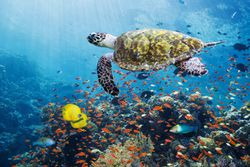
column 153, row 49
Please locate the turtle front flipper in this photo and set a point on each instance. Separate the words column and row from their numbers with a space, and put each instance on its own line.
column 105, row 76
column 192, row 66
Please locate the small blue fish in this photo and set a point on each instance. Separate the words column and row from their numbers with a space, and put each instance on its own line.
column 44, row 142
column 182, row 1
column 184, row 128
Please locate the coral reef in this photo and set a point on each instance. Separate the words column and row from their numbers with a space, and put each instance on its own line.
column 22, row 94
column 242, row 118
column 131, row 152
column 116, row 136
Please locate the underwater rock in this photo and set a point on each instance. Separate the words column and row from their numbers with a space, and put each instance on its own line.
column 240, row 116
column 225, row 161
column 166, row 99
column 243, row 132
column 196, row 98
column 196, row 164
column 219, row 135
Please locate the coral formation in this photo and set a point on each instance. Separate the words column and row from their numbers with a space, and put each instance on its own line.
column 131, row 152
column 118, row 138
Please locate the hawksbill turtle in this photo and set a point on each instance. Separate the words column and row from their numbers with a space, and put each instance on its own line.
column 147, row 49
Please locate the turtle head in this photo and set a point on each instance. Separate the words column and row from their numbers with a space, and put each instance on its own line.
column 102, row 39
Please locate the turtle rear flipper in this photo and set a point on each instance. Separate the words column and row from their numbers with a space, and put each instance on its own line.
column 209, row 44
column 105, row 76
column 192, row 66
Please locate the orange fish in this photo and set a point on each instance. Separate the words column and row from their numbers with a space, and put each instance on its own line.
column 129, row 161
column 172, row 137
column 138, row 117
column 201, row 154
column 136, row 131
column 131, row 122
column 180, row 147
column 57, row 150
column 58, row 131
column 106, row 130
column 143, row 154
column 157, row 108
column 118, row 128
column 51, row 104
column 218, row 150
column 245, row 158
column 136, row 98
column 142, row 110
column 79, row 130
column 111, row 162
column 123, row 103
column 160, row 121
column 104, row 141
column 80, row 161
column 167, row 105
column 167, row 141
column 113, row 155
column 79, row 100
column 230, row 139
column 195, row 159
column 85, row 165
column 80, row 154
column 99, row 115
column 112, row 140
column 189, row 117
column 43, row 151
column 115, row 115
column 208, row 153
column 191, row 145
column 131, row 148
column 180, row 155
column 127, row 131
column 168, row 125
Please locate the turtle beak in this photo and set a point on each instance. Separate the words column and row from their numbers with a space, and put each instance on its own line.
column 90, row 37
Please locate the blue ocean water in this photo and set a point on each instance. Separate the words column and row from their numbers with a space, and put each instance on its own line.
column 47, row 61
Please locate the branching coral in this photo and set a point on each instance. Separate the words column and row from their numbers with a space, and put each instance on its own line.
column 132, row 151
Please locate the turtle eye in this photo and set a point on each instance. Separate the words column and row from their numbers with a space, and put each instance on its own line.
column 79, row 115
